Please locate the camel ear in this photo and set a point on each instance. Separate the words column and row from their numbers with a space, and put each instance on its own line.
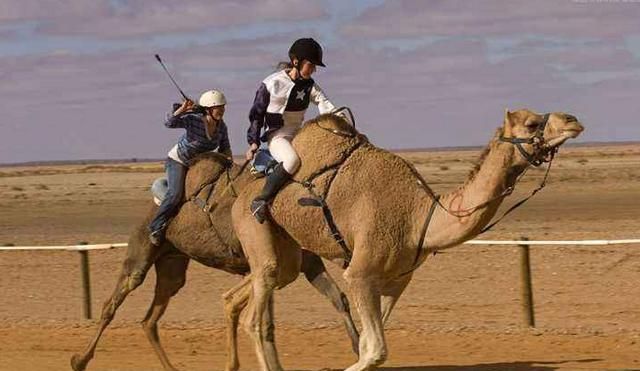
column 507, row 117
column 508, row 123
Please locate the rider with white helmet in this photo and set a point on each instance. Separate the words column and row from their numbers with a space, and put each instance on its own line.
column 205, row 132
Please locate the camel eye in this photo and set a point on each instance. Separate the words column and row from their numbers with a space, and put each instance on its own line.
column 533, row 124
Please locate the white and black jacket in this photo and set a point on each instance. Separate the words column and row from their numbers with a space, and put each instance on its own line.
column 278, row 94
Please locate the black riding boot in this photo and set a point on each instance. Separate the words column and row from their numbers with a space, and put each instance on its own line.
column 276, row 180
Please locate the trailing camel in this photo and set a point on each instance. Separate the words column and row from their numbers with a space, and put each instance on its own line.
column 386, row 216
column 206, row 236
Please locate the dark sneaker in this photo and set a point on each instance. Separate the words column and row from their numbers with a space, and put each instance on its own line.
column 157, row 237
column 260, row 209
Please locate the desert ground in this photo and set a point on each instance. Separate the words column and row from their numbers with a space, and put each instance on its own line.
column 461, row 312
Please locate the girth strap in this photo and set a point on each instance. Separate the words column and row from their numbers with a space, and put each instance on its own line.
column 204, row 204
column 425, row 228
column 318, row 201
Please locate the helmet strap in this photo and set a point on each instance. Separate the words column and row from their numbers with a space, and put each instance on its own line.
column 296, row 67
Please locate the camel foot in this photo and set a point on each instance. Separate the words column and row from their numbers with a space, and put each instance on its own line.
column 78, row 363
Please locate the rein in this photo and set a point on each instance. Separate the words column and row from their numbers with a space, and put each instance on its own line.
column 540, row 155
column 339, row 112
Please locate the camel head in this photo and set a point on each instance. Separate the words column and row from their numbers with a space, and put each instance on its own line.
column 538, row 136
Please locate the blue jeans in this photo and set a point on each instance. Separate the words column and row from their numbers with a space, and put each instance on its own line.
column 176, row 173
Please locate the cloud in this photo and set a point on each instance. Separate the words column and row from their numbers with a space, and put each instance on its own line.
column 408, row 86
column 416, row 18
column 120, row 19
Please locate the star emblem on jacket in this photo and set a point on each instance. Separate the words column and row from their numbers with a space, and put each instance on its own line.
column 300, row 95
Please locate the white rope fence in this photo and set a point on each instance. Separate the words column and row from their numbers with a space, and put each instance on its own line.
column 81, row 247
column 523, row 246
column 566, row 242
column 108, row 246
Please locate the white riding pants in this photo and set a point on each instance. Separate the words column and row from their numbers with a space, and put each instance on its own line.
column 282, row 150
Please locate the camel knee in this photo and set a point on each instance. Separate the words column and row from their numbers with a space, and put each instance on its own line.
column 148, row 326
column 135, row 279
column 232, row 309
column 268, row 277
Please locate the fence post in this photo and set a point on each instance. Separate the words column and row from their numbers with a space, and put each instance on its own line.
column 86, row 281
column 525, row 284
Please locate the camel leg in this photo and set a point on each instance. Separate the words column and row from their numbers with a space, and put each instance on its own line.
column 366, row 295
column 140, row 257
column 390, row 295
column 171, row 270
column 316, row 273
column 259, row 320
column 269, row 336
column 235, row 300
column 275, row 262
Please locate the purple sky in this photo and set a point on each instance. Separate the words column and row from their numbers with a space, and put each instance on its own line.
column 79, row 80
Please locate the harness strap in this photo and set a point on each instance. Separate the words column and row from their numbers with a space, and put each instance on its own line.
column 319, row 201
column 321, row 171
column 423, row 235
column 204, row 204
column 425, row 228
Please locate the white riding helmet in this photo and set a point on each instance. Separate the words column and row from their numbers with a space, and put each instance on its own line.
column 212, row 98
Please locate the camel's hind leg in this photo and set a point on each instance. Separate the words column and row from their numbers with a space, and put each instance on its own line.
column 260, row 323
column 316, row 273
column 140, row 257
column 275, row 259
column 235, row 300
column 171, row 270
column 238, row 297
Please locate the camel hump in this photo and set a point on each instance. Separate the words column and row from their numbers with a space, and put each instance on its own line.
column 205, row 169
column 323, row 142
column 335, row 124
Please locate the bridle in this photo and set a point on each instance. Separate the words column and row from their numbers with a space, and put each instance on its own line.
column 541, row 152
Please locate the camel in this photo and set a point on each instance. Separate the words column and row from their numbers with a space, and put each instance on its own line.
column 387, row 215
column 207, row 238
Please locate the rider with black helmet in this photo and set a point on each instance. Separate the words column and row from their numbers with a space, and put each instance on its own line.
column 279, row 105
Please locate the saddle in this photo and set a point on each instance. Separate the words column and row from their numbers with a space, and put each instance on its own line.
column 159, row 190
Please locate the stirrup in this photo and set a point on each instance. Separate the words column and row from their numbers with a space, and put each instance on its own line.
column 259, row 210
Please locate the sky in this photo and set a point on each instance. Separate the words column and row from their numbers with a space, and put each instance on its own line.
column 79, row 79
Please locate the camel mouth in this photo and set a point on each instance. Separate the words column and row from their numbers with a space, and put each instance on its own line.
column 560, row 139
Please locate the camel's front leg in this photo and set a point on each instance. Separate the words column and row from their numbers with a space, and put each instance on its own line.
column 366, row 295
column 391, row 293
column 171, row 270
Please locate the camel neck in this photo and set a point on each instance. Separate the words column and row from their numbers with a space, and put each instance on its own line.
column 484, row 186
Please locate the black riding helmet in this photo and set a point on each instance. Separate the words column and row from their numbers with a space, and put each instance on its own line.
column 307, row 48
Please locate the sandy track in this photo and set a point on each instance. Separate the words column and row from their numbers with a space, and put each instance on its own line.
column 461, row 312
